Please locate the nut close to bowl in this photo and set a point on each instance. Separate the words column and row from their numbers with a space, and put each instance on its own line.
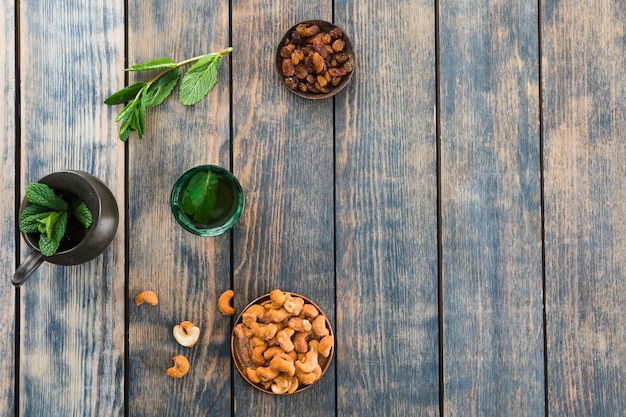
column 280, row 352
column 315, row 59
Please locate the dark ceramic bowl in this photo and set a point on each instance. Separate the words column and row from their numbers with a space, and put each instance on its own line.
column 348, row 49
column 241, row 347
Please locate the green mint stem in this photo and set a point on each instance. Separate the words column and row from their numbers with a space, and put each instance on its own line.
column 179, row 65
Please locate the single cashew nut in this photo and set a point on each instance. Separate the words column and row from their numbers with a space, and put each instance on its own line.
column 180, row 368
column 283, row 365
column 149, row 297
column 281, row 384
column 326, row 344
column 309, row 311
column 293, row 386
column 223, row 303
column 319, row 326
column 186, row 333
column 294, row 305
column 310, row 359
column 278, row 297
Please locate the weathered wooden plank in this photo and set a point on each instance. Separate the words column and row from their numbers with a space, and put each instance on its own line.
column 283, row 153
column 584, row 96
column 491, row 209
column 386, row 227
column 72, row 346
column 188, row 272
column 8, row 114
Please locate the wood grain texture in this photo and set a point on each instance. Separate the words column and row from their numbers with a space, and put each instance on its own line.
column 386, row 213
column 584, row 96
column 8, row 248
column 188, row 272
column 283, row 154
column 491, row 209
column 72, row 345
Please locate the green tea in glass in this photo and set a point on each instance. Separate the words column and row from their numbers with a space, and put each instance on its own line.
column 207, row 200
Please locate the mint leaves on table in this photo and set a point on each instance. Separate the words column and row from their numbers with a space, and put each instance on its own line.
column 200, row 197
column 197, row 82
column 47, row 214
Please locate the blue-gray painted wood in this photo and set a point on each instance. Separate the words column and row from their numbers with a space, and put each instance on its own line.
column 584, row 96
column 72, row 318
column 491, row 256
column 188, row 272
column 386, row 213
column 283, row 153
column 8, row 247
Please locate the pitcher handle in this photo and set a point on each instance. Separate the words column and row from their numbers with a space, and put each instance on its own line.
column 27, row 267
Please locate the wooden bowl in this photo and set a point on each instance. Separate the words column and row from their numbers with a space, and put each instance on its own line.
column 241, row 348
column 325, row 27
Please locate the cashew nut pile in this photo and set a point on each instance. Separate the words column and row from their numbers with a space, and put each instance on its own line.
column 283, row 342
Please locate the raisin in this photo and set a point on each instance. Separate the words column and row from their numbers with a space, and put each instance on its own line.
column 335, row 33
column 319, row 47
column 318, row 63
column 297, row 56
column 341, row 57
column 301, row 71
column 286, row 50
column 337, row 72
column 306, row 32
column 288, row 68
column 321, row 89
column 338, row 45
column 292, row 82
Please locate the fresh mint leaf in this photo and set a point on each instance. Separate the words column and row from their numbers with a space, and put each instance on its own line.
column 50, row 221
column 32, row 209
column 47, row 245
column 29, row 222
column 196, row 84
column 58, row 230
column 203, row 214
column 194, row 193
column 83, row 214
column 159, row 63
column 128, row 110
column 200, row 79
column 125, row 129
column 125, row 94
column 41, row 194
column 162, row 88
column 141, row 114
column 200, row 196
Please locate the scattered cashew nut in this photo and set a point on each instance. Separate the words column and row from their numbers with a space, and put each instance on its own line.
column 186, row 333
column 149, row 297
column 223, row 303
column 180, row 368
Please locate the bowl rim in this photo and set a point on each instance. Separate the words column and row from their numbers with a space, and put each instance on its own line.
column 233, row 346
column 349, row 50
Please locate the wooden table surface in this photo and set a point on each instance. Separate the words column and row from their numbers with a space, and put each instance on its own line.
column 459, row 210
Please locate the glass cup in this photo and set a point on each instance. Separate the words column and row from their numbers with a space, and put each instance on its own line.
column 207, row 200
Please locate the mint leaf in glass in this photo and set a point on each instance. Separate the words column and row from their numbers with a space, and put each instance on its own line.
column 200, row 196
